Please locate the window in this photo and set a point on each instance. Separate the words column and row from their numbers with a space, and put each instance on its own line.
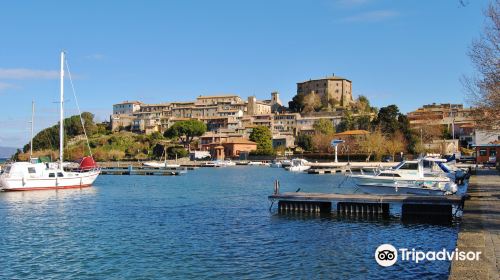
column 409, row 166
column 482, row 152
column 31, row 170
column 52, row 175
column 388, row 175
column 493, row 153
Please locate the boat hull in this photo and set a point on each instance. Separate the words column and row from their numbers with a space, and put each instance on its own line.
column 383, row 189
column 71, row 180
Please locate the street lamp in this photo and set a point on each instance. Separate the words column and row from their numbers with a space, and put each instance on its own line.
column 335, row 143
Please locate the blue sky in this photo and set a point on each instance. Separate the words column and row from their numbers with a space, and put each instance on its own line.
column 407, row 53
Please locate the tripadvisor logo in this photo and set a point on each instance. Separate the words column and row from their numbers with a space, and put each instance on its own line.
column 387, row 255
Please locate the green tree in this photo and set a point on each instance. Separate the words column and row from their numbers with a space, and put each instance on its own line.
column 263, row 137
column 323, row 126
column 305, row 142
column 387, row 119
column 347, row 122
column 176, row 151
column 186, row 131
column 49, row 138
column 409, row 135
column 363, row 122
column 297, row 103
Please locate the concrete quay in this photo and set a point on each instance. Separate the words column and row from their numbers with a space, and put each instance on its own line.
column 480, row 229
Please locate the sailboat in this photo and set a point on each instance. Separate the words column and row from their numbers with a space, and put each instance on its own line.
column 32, row 175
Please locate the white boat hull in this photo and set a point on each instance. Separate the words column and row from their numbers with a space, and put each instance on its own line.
column 69, row 181
column 383, row 189
column 298, row 168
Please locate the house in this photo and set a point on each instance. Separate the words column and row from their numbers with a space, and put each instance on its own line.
column 231, row 148
column 488, row 153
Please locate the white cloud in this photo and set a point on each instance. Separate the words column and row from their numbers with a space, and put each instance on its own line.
column 5, row 86
column 23, row 73
column 372, row 16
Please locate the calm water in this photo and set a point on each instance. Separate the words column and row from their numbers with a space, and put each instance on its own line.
column 211, row 223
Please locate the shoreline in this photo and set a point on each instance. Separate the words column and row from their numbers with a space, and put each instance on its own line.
column 480, row 229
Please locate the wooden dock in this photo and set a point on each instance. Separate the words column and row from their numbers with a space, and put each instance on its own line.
column 131, row 170
column 411, row 205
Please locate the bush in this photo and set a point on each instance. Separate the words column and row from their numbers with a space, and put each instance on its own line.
column 179, row 150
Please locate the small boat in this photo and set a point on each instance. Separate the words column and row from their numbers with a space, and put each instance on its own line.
column 220, row 163
column 159, row 164
column 34, row 175
column 258, row 163
column 298, row 165
column 276, row 164
column 286, row 163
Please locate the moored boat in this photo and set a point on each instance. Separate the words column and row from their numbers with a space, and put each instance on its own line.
column 298, row 165
column 32, row 175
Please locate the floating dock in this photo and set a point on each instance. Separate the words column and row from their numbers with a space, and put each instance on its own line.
column 366, row 204
column 131, row 170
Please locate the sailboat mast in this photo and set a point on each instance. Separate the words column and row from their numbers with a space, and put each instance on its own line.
column 61, row 117
column 32, row 124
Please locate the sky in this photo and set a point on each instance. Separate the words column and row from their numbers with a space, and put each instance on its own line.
column 407, row 53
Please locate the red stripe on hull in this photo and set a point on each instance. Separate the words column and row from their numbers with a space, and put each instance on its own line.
column 47, row 188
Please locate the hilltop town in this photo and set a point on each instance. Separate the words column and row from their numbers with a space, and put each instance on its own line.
column 230, row 119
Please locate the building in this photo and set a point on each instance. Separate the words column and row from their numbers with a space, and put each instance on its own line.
column 122, row 117
column 126, row 107
column 231, row 148
column 255, row 107
column 454, row 116
column 333, row 91
column 488, row 153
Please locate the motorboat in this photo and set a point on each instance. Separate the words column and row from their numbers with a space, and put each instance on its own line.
column 298, row 165
column 276, row 164
column 34, row 175
column 258, row 163
column 410, row 177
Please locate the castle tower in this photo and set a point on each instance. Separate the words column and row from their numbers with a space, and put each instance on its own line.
column 275, row 98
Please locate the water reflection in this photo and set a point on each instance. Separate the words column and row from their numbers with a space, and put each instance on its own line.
column 45, row 195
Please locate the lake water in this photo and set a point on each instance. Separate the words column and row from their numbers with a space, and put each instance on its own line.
column 212, row 223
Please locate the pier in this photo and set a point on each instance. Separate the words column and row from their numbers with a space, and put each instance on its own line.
column 131, row 170
column 480, row 228
column 361, row 204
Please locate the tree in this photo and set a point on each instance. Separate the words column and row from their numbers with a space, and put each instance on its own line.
column 484, row 88
column 305, row 142
column 347, row 122
column 363, row 122
column 395, row 144
column 263, row 137
column 374, row 145
column 322, row 142
column 176, row 151
column 312, row 103
column 297, row 103
column 323, row 126
column 409, row 135
column 186, row 131
column 387, row 119
column 49, row 138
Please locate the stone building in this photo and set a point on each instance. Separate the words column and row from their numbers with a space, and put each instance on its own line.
column 333, row 90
